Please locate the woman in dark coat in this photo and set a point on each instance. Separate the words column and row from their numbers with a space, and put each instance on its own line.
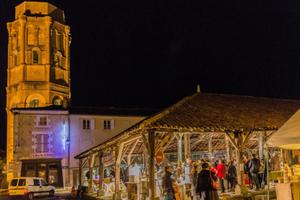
column 205, row 184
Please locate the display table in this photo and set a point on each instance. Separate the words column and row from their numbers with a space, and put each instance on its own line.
column 274, row 175
column 288, row 191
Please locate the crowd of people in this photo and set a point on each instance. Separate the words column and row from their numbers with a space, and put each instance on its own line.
column 207, row 177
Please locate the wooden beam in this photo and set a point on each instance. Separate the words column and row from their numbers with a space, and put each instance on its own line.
column 231, row 140
column 146, row 143
column 80, row 172
column 261, row 145
column 151, row 153
column 187, row 146
column 228, row 152
column 163, row 142
column 179, row 155
column 246, row 139
column 210, row 147
column 118, row 157
column 168, row 143
column 90, row 181
column 101, row 170
column 200, row 139
column 131, row 151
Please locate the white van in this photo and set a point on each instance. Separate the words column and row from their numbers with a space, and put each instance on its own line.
column 30, row 187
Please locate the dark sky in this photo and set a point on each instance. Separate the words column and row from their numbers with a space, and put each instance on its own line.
column 151, row 53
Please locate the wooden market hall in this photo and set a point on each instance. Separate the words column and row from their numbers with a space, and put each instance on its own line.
column 202, row 122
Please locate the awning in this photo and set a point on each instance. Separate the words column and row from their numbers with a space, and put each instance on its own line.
column 288, row 136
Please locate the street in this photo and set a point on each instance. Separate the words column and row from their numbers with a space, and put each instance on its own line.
column 56, row 197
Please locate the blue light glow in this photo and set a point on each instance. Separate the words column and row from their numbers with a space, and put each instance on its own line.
column 64, row 135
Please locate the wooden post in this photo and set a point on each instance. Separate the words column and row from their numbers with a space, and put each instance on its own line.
column 179, row 156
column 210, row 153
column 187, row 146
column 238, row 168
column 260, row 144
column 228, row 152
column 80, row 172
column 118, row 157
column 90, row 172
column 101, row 170
column 151, row 153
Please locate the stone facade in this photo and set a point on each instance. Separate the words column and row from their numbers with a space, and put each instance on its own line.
column 38, row 72
column 43, row 134
column 46, row 137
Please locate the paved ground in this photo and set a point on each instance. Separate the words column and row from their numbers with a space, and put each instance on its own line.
column 56, row 197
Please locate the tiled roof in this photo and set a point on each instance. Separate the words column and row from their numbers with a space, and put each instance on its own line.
column 204, row 112
column 220, row 112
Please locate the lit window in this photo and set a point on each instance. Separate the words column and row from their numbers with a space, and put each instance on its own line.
column 41, row 143
column 43, row 121
column 108, row 124
column 86, row 124
column 35, row 57
column 34, row 103
column 57, row 101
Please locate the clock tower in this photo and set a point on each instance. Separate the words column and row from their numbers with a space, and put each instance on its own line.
column 38, row 71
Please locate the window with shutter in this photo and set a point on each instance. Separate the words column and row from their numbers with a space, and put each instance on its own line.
column 88, row 124
column 42, row 121
column 41, row 143
column 108, row 124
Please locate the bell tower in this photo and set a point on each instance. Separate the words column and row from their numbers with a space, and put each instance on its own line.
column 38, row 72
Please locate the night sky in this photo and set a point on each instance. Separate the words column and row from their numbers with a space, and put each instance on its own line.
column 151, row 53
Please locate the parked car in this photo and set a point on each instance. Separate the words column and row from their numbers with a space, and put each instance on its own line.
column 30, row 187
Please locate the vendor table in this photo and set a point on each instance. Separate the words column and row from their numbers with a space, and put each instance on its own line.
column 288, row 191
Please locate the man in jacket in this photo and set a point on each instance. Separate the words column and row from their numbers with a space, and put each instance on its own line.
column 254, row 166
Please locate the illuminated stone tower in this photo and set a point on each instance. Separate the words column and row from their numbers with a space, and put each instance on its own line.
column 38, row 73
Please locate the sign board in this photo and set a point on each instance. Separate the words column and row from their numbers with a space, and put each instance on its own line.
column 159, row 157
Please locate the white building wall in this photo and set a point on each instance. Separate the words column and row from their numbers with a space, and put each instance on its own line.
column 83, row 139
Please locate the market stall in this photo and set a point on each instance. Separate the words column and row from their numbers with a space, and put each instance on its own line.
column 198, row 127
column 288, row 139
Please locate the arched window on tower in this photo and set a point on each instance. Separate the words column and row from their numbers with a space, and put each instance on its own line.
column 35, row 57
column 57, row 101
column 34, row 103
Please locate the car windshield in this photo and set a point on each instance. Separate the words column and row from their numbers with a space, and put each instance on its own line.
column 14, row 182
column 22, row 182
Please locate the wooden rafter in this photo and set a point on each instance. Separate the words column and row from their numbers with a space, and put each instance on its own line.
column 131, row 151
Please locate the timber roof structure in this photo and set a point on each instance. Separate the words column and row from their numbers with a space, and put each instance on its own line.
column 210, row 114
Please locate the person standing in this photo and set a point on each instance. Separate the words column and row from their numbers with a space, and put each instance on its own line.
column 221, row 173
column 205, row 184
column 232, row 174
column 194, row 177
column 254, row 166
column 246, row 162
column 167, row 184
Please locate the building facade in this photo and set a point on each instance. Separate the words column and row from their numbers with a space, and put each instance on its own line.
column 43, row 132
column 38, row 71
column 46, row 139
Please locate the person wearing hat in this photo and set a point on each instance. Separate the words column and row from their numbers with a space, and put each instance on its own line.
column 206, row 184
